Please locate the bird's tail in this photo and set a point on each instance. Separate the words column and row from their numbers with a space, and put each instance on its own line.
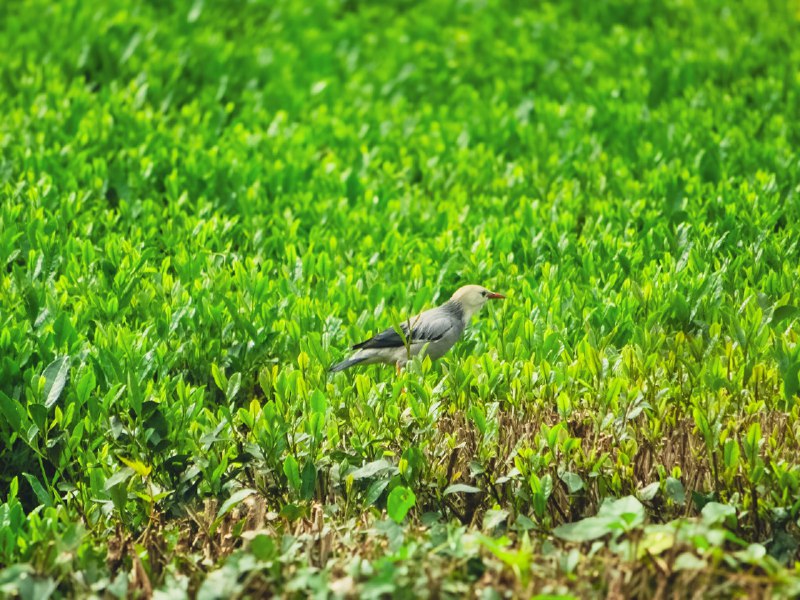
column 345, row 364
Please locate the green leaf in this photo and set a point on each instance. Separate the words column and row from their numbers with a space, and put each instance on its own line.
column 292, row 512
column 627, row 510
column 752, row 443
column 493, row 518
column 309, row 481
column 791, row 380
column 462, row 488
column 373, row 468
column 13, row 578
column 781, row 313
column 85, row 386
column 613, row 516
column 375, row 490
column 686, row 561
column 675, row 491
column 55, row 378
column 649, row 492
column 783, row 547
column 219, row 377
column 414, row 461
column 41, row 493
column 730, row 454
column 753, row 554
column 585, row 530
column 292, row 472
column 234, row 500
column 234, row 383
column 714, row 513
column 241, row 323
column 38, row 413
column 318, row 402
column 479, row 417
column 21, row 581
column 518, row 560
column 400, row 501
column 700, row 500
column 12, row 412
column 118, row 477
column 263, row 547
column 656, row 539
column 572, row 480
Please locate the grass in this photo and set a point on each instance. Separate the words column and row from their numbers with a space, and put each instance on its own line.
column 203, row 204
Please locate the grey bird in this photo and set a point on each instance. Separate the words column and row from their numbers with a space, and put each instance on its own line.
column 438, row 329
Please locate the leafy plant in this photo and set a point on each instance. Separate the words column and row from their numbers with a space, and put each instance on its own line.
column 203, row 204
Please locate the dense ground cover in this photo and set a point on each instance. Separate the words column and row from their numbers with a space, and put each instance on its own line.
column 204, row 203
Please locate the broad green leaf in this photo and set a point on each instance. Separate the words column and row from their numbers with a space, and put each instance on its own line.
column 460, row 488
column 234, row 500
column 627, row 509
column 55, row 378
column 263, row 547
column 686, row 561
column 519, row 560
column 649, row 491
column 118, row 477
column 675, row 491
column 400, row 501
column 292, row 512
column 714, row 513
column 412, row 463
column 572, row 480
column 752, row 554
column 781, row 313
column 700, row 500
column 308, row 481
column 752, row 443
column 373, row 468
column 85, row 386
column 730, row 454
column 318, row 402
column 219, row 377
column 585, row 530
column 479, row 418
column 656, row 539
column 791, row 380
column 234, row 383
column 292, row 472
column 42, row 495
column 375, row 490
column 12, row 412
column 493, row 518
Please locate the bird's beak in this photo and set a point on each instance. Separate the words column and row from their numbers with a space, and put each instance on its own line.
column 495, row 296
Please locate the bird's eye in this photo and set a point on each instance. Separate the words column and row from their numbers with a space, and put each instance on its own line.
column 483, row 293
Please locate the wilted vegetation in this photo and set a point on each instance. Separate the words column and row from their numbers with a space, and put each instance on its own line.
column 204, row 203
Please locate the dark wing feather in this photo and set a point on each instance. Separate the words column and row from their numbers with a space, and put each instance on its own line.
column 387, row 338
column 424, row 332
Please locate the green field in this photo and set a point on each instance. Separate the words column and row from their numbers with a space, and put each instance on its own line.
column 203, row 204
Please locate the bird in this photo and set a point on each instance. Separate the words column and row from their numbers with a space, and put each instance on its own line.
column 438, row 328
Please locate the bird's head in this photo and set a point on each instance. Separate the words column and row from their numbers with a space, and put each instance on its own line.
column 473, row 297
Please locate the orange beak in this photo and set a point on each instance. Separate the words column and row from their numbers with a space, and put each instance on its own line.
column 495, row 296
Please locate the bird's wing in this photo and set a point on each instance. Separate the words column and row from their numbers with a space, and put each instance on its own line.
column 424, row 329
